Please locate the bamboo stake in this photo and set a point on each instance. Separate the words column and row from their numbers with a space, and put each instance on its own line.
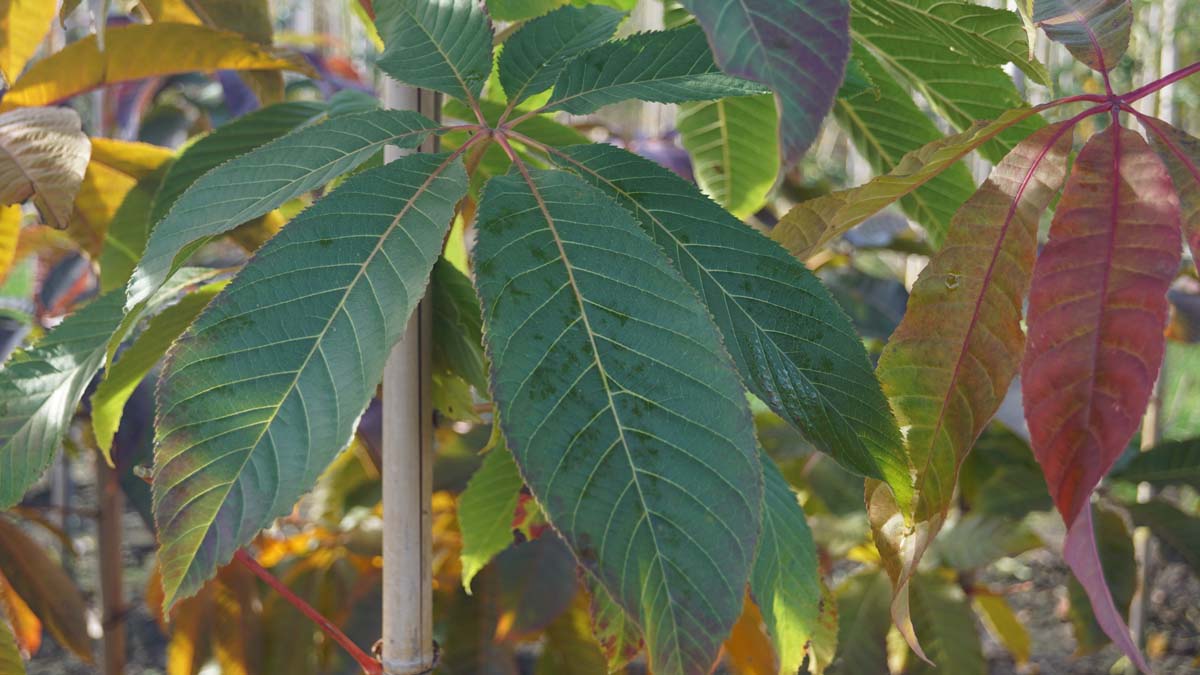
column 408, row 647
column 111, row 503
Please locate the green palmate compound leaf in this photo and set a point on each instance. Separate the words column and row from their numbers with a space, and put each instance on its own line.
column 238, row 137
column 956, row 85
column 535, row 55
column 794, row 347
column 798, row 48
column 485, row 512
column 1180, row 151
column 944, row 617
column 457, row 326
column 1178, row 530
column 949, row 364
column 518, row 10
column 735, row 149
column 151, row 199
column 541, row 128
column 670, row 66
column 813, row 224
column 40, row 389
column 621, row 408
column 619, row 637
column 313, row 316
column 128, row 230
column 886, row 125
column 108, row 402
column 987, row 35
column 1174, row 463
column 786, row 582
column 444, row 45
column 1094, row 31
column 259, row 181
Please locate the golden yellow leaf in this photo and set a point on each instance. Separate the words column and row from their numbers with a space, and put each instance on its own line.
column 43, row 152
column 749, row 649
column 186, row 650
column 115, row 167
column 170, row 11
column 129, row 157
column 10, row 232
column 138, row 51
column 23, row 25
column 1004, row 625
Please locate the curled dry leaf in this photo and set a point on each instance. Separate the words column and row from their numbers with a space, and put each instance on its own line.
column 43, row 155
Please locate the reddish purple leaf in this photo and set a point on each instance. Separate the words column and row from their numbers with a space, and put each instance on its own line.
column 1097, row 310
column 797, row 48
column 1180, row 151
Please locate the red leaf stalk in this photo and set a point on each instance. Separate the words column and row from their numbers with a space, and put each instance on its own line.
column 365, row 661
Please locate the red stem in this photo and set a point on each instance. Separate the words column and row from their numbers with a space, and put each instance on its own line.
column 1090, row 98
column 1165, row 81
column 365, row 661
column 366, row 5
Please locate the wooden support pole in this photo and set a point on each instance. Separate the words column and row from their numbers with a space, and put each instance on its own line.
column 111, row 506
column 408, row 465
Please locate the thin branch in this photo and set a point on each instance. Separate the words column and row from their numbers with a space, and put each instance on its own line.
column 1164, row 81
column 1090, row 98
column 365, row 661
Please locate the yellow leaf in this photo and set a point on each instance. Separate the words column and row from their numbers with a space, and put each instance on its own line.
column 129, row 157
column 811, row 225
column 252, row 235
column 1003, row 624
column 10, row 232
column 43, row 153
column 138, row 51
column 187, row 650
column 170, row 11
column 115, row 167
column 23, row 25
